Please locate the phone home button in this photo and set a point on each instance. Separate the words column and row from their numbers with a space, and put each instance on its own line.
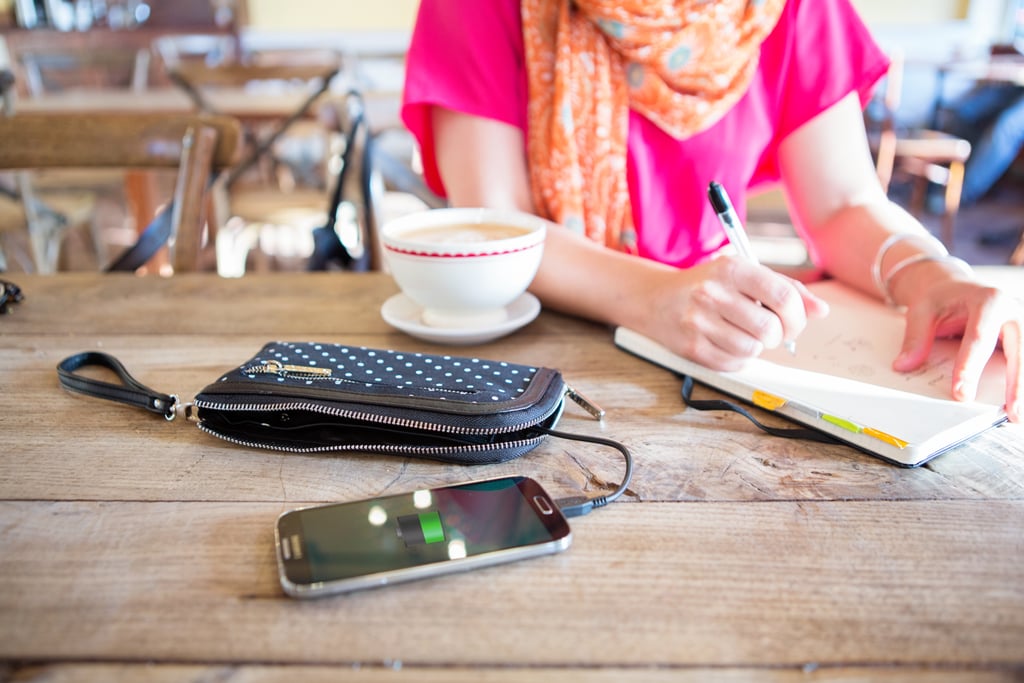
column 543, row 505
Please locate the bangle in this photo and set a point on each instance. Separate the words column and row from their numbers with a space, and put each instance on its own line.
column 920, row 258
column 889, row 243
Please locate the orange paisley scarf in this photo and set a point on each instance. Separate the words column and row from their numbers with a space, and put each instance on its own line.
column 681, row 63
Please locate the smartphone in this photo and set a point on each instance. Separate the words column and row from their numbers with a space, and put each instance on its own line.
column 344, row 547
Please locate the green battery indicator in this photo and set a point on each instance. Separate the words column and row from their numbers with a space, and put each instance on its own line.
column 430, row 523
column 422, row 528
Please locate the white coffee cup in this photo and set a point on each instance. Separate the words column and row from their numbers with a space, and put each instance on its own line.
column 464, row 266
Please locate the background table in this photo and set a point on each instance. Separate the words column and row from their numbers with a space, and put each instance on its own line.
column 137, row 549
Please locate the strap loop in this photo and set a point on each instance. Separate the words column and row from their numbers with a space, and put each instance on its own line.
column 718, row 404
column 130, row 391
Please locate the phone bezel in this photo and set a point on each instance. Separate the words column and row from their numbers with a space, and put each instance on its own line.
column 555, row 522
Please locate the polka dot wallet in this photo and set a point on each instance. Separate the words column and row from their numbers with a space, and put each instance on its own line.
column 332, row 398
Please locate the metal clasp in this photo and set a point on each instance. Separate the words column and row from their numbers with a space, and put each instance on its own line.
column 185, row 410
column 588, row 405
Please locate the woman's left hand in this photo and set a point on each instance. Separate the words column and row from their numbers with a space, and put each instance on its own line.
column 985, row 318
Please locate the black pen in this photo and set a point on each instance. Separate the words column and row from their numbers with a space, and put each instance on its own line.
column 734, row 231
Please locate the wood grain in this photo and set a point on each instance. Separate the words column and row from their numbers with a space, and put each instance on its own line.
column 400, row 671
column 765, row 584
column 734, row 556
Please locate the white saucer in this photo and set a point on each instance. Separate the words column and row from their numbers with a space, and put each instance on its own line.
column 400, row 312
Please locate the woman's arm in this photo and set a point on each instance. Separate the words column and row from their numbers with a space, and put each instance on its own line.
column 837, row 201
column 709, row 313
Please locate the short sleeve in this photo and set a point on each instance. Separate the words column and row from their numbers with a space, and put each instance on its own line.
column 467, row 56
column 818, row 55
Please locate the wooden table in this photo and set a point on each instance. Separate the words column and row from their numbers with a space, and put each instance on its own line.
column 137, row 549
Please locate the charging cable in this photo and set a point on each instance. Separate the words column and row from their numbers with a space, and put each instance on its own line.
column 581, row 505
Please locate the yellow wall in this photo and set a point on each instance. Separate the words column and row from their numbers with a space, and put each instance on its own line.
column 878, row 12
column 333, row 15
column 399, row 14
column 342, row 15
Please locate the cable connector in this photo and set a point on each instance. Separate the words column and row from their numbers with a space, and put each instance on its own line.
column 580, row 505
column 577, row 506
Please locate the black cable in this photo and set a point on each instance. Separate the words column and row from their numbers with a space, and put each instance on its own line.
column 576, row 506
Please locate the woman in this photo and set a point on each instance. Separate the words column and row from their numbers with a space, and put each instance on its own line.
column 611, row 117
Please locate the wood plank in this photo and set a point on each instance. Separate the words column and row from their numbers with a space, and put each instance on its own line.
column 680, row 454
column 128, row 540
column 137, row 140
column 745, row 585
column 398, row 671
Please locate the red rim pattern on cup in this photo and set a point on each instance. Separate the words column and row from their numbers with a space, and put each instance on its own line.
column 392, row 235
column 442, row 254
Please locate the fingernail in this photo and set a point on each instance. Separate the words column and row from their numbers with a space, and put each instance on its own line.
column 965, row 391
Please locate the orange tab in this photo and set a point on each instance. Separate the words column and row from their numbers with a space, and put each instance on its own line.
column 763, row 399
column 887, row 438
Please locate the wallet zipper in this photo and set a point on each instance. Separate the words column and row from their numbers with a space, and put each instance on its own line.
column 376, row 419
column 384, row 420
column 373, row 418
column 373, row 448
column 391, row 421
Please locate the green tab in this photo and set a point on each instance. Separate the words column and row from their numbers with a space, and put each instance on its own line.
column 840, row 422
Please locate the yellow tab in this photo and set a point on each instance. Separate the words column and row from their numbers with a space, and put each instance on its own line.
column 763, row 399
column 888, row 438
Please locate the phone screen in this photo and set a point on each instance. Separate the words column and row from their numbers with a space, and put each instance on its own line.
column 346, row 546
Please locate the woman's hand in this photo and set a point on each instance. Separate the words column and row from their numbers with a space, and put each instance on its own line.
column 985, row 318
column 728, row 310
column 846, row 217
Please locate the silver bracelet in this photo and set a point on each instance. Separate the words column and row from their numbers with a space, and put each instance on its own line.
column 920, row 258
column 889, row 243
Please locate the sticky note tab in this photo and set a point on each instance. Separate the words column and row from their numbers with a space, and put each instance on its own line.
column 840, row 422
column 762, row 399
column 887, row 438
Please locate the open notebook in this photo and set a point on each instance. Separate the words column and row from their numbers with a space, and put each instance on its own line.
column 840, row 381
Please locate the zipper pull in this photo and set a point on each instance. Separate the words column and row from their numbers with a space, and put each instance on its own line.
column 277, row 368
column 585, row 403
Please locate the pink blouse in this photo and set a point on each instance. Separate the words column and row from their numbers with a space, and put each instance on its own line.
column 467, row 56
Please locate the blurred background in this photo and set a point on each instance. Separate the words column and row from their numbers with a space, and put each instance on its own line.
column 117, row 54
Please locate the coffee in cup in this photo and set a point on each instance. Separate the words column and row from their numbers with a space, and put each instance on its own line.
column 464, row 266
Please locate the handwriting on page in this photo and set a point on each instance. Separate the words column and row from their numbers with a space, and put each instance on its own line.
column 856, row 342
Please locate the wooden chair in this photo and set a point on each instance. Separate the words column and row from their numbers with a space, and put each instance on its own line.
column 928, row 156
column 280, row 190
column 7, row 90
column 75, row 61
column 206, row 67
column 196, row 146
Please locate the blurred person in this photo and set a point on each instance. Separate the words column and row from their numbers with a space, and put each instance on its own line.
column 611, row 117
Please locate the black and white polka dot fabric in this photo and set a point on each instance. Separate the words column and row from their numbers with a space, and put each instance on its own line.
column 388, row 372
column 307, row 397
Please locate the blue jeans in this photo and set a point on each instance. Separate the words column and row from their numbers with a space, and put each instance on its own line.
column 992, row 118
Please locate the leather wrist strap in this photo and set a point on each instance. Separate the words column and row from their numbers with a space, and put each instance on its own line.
column 131, row 391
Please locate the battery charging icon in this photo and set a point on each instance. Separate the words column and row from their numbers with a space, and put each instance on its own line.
column 422, row 528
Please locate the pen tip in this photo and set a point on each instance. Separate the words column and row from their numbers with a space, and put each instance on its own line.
column 718, row 197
